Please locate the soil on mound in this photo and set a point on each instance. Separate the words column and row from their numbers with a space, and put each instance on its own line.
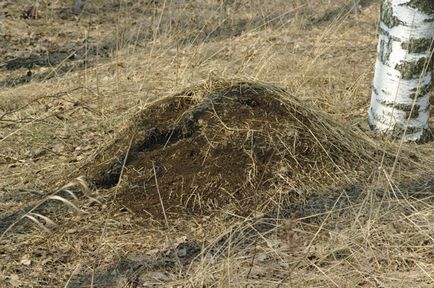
column 242, row 146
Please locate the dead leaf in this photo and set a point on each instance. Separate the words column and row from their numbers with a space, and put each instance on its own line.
column 14, row 280
column 25, row 260
column 58, row 148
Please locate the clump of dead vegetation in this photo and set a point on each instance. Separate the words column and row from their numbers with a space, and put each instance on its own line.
column 247, row 144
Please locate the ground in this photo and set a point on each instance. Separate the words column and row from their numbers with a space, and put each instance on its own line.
column 81, row 95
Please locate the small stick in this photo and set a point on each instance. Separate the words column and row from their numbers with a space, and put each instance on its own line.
column 159, row 195
column 124, row 163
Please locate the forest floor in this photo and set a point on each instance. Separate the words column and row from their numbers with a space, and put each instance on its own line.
column 203, row 144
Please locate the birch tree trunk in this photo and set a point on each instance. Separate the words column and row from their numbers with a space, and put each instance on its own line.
column 403, row 70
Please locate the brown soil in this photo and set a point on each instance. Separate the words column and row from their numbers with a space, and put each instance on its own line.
column 234, row 146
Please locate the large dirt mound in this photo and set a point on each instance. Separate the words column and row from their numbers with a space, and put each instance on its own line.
column 243, row 146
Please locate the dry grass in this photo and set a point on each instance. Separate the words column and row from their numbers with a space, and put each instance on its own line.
column 375, row 233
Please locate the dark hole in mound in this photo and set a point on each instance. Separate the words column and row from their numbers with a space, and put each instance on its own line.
column 240, row 145
column 155, row 131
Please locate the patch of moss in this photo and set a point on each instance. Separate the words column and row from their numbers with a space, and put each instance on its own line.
column 387, row 34
column 387, row 16
column 410, row 113
column 421, row 92
column 385, row 50
column 415, row 45
column 427, row 135
column 411, row 69
column 425, row 6
column 398, row 131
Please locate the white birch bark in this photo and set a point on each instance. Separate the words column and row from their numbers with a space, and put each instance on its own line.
column 403, row 70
